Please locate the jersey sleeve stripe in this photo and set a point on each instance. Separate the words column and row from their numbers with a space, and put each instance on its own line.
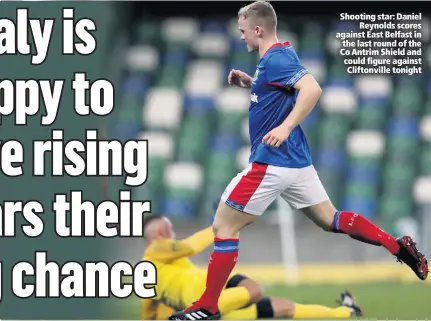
column 296, row 77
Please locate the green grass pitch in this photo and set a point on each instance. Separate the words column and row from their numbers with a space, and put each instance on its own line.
column 402, row 301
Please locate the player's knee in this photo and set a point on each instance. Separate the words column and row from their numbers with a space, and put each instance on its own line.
column 275, row 308
column 282, row 308
column 222, row 230
column 228, row 222
column 256, row 293
column 255, row 290
column 225, row 231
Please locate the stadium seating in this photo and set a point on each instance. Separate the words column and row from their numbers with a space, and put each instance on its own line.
column 370, row 135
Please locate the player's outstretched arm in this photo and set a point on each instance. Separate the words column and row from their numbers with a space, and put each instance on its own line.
column 168, row 250
column 200, row 240
column 239, row 78
column 309, row 94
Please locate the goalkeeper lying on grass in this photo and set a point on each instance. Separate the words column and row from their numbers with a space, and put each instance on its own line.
column 180, row 283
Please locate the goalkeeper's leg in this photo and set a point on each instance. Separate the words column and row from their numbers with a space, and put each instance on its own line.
column 268, row 308
column 240, row 292
column 233, row 299
column 254, row 289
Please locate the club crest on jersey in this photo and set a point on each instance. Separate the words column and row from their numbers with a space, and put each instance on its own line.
column 255, row 75
column 254, row 98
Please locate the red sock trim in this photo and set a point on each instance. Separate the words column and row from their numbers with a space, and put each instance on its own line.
column 218, row 239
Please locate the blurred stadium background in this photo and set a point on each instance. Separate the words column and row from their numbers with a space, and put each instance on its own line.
column 370, row 138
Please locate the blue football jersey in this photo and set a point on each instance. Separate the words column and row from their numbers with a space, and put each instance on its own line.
column 272, row 99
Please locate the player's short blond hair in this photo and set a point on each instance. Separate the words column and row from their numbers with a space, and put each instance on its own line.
column 261, row 11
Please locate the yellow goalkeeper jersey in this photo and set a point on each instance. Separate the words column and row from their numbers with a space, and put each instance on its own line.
column 175, row 273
